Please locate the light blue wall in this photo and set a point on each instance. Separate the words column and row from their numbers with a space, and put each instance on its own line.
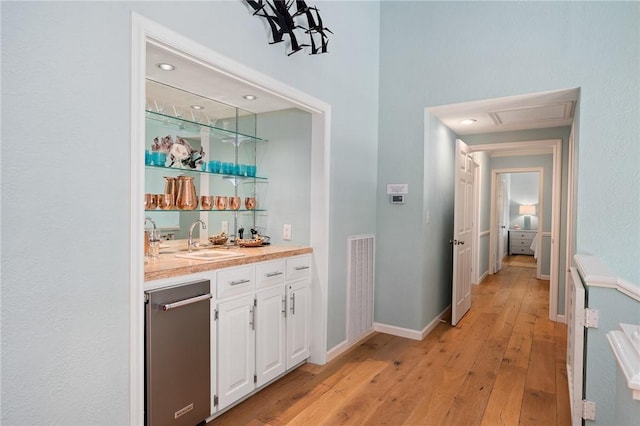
column 614, row 405
column 65, row 224
column 286, row 160
column 524, row 190
column 439, row 158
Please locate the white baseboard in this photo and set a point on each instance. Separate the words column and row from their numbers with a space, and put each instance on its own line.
column 561, row 318
column 397, row 331
column 344, row 346
column 409, row 333
column 545, row 277
column 485, row 275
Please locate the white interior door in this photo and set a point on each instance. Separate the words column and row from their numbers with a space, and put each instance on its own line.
column 502, row 218
column 462, row 224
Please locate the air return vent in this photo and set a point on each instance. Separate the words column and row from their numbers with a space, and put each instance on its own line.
column 361, row 252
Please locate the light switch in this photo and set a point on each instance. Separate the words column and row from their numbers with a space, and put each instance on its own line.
column 286, row 232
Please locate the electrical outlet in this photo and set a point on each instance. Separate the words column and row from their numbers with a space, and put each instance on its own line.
column 225, row 227
column 286, row 232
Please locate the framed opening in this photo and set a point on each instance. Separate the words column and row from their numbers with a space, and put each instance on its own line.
column 145, row 31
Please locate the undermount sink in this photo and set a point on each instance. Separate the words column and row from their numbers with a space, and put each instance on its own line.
column 209, row 255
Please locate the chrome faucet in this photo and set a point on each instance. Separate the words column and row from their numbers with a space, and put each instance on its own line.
column 148, row 219
column 193, row 225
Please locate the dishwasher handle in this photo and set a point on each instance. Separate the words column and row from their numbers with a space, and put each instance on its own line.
column 169, row 306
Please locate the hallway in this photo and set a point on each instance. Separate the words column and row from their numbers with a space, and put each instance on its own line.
column 504, row 364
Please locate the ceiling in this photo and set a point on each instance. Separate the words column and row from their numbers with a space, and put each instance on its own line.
column 195, row 77
column 531, row 111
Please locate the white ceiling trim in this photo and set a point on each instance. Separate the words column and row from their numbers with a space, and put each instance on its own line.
column 541, row 151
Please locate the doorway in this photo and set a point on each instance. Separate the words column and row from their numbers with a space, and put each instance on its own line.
column 507, row 149
column 145, row 32
column 518, row 204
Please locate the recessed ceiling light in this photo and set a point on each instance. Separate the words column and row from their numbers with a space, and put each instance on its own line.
column 165, row 67
column 468, row 121
column 250, row 97
column 198, row 107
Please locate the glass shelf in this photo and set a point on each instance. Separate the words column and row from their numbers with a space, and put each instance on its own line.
column 222, row 175
column 183, row 125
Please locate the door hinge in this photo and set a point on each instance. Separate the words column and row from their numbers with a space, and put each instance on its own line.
column 591, row 318
column 588, row 410
column 255, row 378
column 215, row 315
column 215, row 400
column 255, row 302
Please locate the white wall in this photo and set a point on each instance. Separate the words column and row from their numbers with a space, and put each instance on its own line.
column 65, row 182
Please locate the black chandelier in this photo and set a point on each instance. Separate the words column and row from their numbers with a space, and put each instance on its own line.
column 305, row 19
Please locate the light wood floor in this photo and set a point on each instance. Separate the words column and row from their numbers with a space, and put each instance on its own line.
column 503, row 364
column 520, row 260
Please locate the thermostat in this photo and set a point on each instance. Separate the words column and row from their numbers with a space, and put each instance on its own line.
column 397, row 188
column 397, row 199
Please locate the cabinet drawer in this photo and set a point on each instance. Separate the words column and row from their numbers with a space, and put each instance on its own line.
column 235, row 281
column 521, row 250
column 522, row 235
column 270, row 273
column 298, row 267
column 519, row 242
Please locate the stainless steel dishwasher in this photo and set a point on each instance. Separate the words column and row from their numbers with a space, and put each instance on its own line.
column 177, row 355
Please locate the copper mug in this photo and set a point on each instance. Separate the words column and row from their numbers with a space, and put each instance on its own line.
column 206, row 202
column 220, row 202
column 150, row 201
column 165, row 201
column 234, row 203
column 250, row 203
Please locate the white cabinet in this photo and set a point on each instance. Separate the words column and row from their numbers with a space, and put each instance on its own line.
column 262, row 325
column 270, row 334
column 297, row 322
column 298, row 280
column 236, row 349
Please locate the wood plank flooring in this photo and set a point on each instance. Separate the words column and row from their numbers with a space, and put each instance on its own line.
column 520, row 260
column 503, row 364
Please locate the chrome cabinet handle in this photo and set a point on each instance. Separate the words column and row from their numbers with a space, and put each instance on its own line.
column 239, row 282
column 293, row 304
column 284, row 306
column 273, row 274
column 301, row 268
column 169, row 306
column 252, row 320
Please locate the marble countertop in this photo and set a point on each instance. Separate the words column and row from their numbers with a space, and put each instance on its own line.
column 167, row 265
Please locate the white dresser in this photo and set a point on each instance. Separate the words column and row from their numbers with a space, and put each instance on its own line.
column 520, row 241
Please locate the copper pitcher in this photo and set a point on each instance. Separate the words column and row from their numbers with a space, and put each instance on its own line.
column 186, row 198
column 170, row 188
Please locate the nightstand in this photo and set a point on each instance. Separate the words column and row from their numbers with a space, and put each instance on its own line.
column 520, row 241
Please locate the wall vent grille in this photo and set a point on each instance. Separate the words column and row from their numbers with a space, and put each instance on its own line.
column 360, row 282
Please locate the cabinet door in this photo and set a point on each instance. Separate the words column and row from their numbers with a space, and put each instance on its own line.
column 270, row 334
column 236, row 349
column 297, row 322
